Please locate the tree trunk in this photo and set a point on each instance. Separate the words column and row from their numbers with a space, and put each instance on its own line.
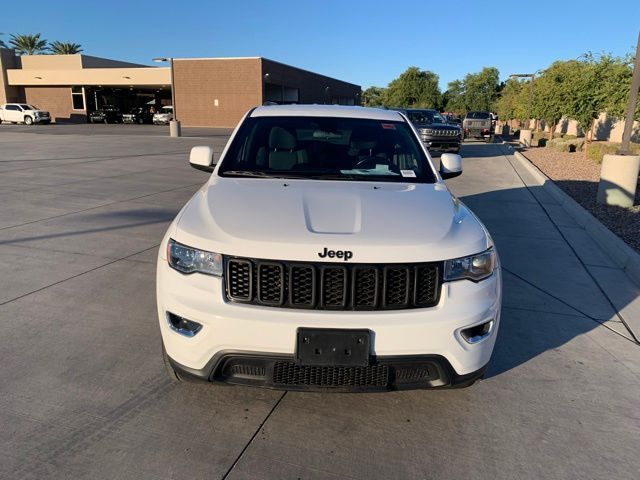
column 552, row 130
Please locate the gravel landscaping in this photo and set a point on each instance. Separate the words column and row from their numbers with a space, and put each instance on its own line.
column 578, row 177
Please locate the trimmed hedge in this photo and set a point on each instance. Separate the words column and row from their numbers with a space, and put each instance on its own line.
column 597, row 150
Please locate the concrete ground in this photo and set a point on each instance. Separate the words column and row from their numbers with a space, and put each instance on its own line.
column 83, row 392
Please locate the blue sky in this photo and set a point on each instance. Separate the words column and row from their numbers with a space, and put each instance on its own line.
column 364, row 42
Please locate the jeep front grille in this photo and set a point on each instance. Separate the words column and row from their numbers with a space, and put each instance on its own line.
column 331, row 286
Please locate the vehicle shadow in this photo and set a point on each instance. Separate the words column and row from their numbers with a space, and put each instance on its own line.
column 102, row 222
column 552, row 289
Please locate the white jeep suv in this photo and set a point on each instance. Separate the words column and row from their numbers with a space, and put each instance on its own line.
column 326, row 253
column 23, row 113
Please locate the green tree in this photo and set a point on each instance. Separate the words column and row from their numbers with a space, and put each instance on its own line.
column 29, row 44
column 373, row 97
column 481, row 89
column 553, row 97
column 512, row 101
column 64, row 48
column 597, row 86
column 453, row 98
column 414, row 88
column 615, row 86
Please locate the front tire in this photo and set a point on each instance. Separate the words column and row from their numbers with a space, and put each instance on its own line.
column 28, row 120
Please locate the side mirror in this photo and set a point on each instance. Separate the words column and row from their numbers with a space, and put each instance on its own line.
column 201, row 158
column 450, row 165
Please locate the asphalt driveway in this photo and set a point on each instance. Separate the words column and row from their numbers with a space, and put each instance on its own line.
column 83, row 393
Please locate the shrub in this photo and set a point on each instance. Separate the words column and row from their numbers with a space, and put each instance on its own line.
column 554, row 141
column 539, row 135
column 579, row 143
column 597, row 150
column 562, row 146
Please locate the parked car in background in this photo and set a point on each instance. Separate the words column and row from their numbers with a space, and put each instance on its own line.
column 285, row 270
column 107, row 114
column 139, row 115
column 436, row 133
column 478, row 125
column 23, row 113
column 164, row 116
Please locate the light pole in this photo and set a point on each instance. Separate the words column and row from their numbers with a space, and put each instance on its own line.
column 174, row 124
column 532, row 76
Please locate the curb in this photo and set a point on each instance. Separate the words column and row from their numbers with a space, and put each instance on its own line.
column 615, row 248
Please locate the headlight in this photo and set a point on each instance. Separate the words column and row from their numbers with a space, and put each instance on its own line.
column 475, row 267
column 188, row 260
column 426, row 131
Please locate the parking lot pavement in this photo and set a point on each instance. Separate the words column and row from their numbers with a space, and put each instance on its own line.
column 112, row 129
column 84, row 393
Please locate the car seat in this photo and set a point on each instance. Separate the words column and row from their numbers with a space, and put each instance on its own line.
column 282, row 153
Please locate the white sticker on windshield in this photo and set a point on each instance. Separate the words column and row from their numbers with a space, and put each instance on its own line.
column 408, row 173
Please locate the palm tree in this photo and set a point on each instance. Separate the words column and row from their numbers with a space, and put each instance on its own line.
column 64, row 48
column 2, row 44
column 29, row 44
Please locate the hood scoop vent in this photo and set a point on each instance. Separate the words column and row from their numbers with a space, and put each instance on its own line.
column 339, row 213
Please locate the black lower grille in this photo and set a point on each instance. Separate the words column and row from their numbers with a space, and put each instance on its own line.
column 329, row 286
column 288, row 373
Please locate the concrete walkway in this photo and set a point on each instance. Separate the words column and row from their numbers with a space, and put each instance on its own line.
column 84, row 393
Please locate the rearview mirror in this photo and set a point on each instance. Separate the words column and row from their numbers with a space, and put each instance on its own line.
column 450, row 165
column 201, row 158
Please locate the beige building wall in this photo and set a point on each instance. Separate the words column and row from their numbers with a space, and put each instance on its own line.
column 150, row 76
column 72, row 62
column 216, row 92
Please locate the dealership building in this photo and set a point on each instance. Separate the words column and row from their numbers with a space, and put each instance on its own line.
column 212, row 92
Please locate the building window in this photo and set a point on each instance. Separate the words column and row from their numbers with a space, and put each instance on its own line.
column 77, row 98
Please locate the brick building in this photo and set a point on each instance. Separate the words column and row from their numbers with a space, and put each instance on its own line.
column 208, row 91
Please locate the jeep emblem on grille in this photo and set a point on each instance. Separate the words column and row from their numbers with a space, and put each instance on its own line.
column 345, row 254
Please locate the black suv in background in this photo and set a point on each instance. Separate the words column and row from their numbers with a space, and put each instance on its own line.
column 436, row 133
column 139, row 115
column 107, row 114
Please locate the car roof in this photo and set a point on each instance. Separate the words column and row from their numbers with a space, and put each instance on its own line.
column 326, row 111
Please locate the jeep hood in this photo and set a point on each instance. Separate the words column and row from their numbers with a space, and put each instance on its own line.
column 295, row 219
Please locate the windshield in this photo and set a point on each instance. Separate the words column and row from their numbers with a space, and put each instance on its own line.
column 425, row 116
column 327, row 148
column 166, row 110
column 479, row 115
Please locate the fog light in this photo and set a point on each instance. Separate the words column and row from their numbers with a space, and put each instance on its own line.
column 183, row 326
column 477, row 333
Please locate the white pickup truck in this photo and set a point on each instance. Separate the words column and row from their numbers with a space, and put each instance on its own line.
column 325, row 252
column 23, row 113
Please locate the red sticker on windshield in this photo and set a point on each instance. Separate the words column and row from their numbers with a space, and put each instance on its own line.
column 388, row 126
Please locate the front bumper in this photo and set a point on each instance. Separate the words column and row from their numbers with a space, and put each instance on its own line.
column 442, row 144
column 431, row 335
column 280, row 372
column 478, row 132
